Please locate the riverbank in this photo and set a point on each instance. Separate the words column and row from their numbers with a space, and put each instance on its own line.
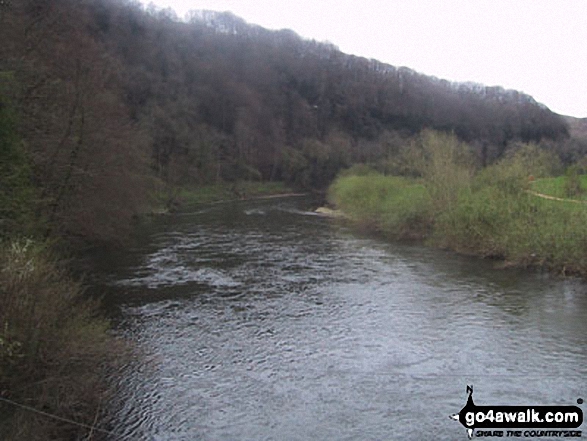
column 490, row 213
column 255, row 317
column 171, row 198
column 56, row 351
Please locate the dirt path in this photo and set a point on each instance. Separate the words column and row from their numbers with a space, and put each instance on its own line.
column 553, row 198
column 280, row 195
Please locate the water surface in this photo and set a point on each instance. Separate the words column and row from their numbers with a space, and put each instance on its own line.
column 258, row 320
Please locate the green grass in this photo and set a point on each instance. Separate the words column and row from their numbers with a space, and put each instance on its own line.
column 171, row 198
column 557, row 187
column 492, row 217
column 225, row 191
column 521, row 228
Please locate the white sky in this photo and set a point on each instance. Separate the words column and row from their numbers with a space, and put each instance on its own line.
column 535, row 46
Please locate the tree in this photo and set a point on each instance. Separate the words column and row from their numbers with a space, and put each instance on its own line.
column 83, row 145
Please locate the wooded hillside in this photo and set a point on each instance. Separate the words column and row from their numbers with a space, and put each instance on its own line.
column 111, row 98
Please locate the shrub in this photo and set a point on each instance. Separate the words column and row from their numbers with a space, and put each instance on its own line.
column 447, row 168
column 540, row 161
column 358, row 170
column 393, row 205
column 573, row 186
column 498, row 218
column 490, row 214
column 508, row 176
column 54, row 349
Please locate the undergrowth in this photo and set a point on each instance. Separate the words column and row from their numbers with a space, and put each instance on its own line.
column 55, row 350
column 488, row 212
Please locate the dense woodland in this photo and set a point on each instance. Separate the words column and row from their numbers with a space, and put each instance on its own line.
column 106, row 100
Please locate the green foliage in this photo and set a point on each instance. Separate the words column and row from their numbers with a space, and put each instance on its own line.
column 509, row 176
column 243, row 171
column 358, row 170
column 499, row 218
column 557, row 187
column 539, row 161
column 447, row 167
column 489, row 214
column 473, row 224
column 573, row 187
column 396, row 206
column 295, row 167
column 512, row 174
column 53, row 347
column 409, row 161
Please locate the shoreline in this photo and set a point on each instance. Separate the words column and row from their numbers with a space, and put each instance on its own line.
column 510, row 225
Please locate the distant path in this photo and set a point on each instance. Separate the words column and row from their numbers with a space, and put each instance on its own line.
column 251, row 198
column 281, row 195
column 553, row 198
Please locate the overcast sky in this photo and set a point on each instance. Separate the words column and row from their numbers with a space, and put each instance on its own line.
column 535, row 46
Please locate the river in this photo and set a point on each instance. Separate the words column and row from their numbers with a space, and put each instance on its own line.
column 258, row 320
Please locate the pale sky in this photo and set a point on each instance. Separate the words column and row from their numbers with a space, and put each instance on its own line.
column 536, row 46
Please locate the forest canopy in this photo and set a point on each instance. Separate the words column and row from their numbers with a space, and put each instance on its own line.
column 110, row 99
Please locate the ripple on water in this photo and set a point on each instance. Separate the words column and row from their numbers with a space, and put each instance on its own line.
column 179, row 275
column 304, row 331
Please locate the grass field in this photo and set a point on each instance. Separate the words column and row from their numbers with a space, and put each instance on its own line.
column 557, row 187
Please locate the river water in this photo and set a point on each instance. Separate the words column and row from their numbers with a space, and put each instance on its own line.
column 258, row 320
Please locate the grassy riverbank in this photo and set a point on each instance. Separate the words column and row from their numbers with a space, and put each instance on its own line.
column 57, row 356
column 171, row 198
column 487, row 213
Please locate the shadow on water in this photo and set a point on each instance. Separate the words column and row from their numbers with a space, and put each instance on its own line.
column 261, row 320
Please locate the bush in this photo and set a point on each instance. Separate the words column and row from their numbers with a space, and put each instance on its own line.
column 475, row 224
column 539, row 161
column 447, row 168
column 489, row 214
column 393, row 205
column 358, row 170
column 498, row 218
column 54, row 349
column 573, row 186
column 508, row 176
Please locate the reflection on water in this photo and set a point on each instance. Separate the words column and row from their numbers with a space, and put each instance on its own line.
column 259, row 321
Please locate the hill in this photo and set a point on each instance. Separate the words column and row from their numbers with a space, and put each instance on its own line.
column 277, row 97
column 577, row 127
column 113, row 98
